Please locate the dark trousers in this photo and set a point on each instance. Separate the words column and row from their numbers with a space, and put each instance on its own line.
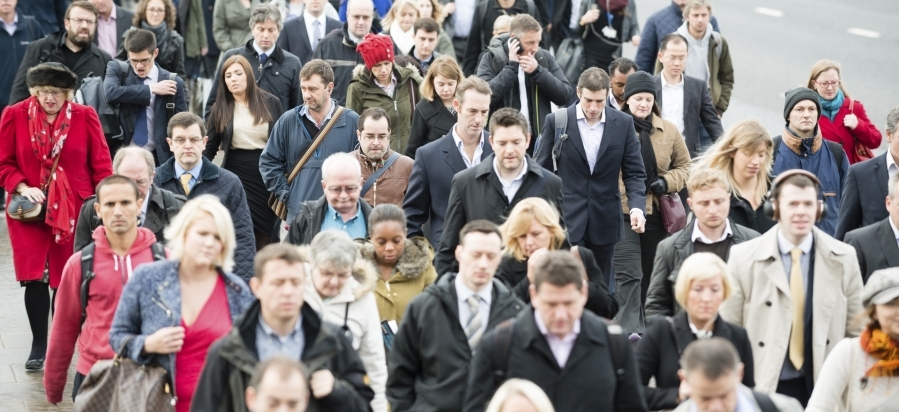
column 795, row 388
column 605, row 256
column 79, row 379
column 634, row 256
column 459, row 45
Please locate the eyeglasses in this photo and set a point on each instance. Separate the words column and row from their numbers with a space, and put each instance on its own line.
column 328, row 275
column 79, row 22
column 155, row 11
column 143, row 62
column 182, row 140
column 378, row 138
column 336, row 190
column 827, row 85
column 47, row 93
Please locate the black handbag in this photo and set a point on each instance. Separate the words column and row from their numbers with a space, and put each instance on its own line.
column 570, row 57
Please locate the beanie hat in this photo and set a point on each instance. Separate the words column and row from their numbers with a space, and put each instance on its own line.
column 640, row 82
column 53, row 75
column 793, row 97
column 375, row 48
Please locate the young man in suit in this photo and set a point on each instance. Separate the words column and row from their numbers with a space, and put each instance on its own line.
column 796, row 290
column 302, row 34
column 147, row 95
column 876, row 245
column 868, row 180
column 491, row 189
column 597, row 147
column 464, row 147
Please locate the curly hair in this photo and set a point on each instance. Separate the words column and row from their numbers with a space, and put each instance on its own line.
column 140, row 13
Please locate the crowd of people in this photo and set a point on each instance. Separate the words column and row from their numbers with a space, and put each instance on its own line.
column 411, row 205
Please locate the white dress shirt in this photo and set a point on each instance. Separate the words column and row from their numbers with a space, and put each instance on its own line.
column 11, row 28
column 478, row 151
column 575, row 14
column 560, row 347
column 310, row 28
column 462, row 295
column 698, row 235
column 895, row 231
column 590, row 135
column 892, row 167
column 510, row 188
column 143, row 207
column 673, row 103
column 151, row 79
column 523, row 94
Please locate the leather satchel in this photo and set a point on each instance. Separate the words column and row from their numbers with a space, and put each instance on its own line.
column 274, row 202
column 24, row 210
column 674, row 217
column 121, row 384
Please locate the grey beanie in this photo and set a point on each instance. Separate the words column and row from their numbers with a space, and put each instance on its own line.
column 794, row 96
column 640, row 82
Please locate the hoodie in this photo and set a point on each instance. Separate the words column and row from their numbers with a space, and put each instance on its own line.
column 110, row 274
column 697, row 58
column 354, row 309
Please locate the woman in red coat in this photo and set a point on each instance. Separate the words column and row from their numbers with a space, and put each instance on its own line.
column 842, row 120
column 35, row 132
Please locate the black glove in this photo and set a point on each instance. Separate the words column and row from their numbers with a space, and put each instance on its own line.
column 659, row 187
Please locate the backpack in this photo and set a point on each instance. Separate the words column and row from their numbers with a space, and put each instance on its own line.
column 560, row 116
column 91, row 93
column 87, row 271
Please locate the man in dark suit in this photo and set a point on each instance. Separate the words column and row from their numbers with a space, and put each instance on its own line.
column 685, row 101
column 112, row 22
column 149, row 97
column 465, row 146
column 302, row 34
column 867, row 181
column 876, row 245
column 491, row 189
column 602, row 145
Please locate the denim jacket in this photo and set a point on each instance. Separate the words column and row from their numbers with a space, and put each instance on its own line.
column 151, row 300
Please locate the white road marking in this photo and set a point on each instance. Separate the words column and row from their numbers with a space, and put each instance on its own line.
column 864, row 33
column 769, row 12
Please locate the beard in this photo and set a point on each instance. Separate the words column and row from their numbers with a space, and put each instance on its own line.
column 78, row 41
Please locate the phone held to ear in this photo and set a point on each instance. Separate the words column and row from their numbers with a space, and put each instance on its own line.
column 520, row 48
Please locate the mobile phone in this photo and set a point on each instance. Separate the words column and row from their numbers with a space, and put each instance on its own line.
column 520, row 47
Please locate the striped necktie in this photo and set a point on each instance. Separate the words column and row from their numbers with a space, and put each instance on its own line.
column 473, row 330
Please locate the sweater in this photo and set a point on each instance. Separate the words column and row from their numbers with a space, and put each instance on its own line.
column 110, row 274
column 841, row 376
column 660, row 24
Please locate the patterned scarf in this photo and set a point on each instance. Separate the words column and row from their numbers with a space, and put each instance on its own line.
column 882, row 347
column 46, row 143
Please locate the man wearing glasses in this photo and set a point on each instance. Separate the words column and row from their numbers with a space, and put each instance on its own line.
column 148, row 95
column 72, row 47
column 385, row 173
column 340, row 208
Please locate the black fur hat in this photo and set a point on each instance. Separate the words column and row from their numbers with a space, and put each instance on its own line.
column 53, row 75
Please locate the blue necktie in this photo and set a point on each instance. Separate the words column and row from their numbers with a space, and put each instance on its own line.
column 140, row 128
column 262, row 58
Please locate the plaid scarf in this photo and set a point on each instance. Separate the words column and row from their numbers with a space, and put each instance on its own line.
column 46, row 143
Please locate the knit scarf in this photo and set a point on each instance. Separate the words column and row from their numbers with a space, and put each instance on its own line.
column 46, row 143
column 882, row 347
column 645, row 129
column 403, row 39
column 830, row 108
column 161, row 31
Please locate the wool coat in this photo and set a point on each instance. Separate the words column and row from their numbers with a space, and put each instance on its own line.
column 865, row 132
column 672, row 160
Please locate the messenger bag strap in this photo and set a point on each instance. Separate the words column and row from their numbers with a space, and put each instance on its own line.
column 377, row 174
column 315, row 143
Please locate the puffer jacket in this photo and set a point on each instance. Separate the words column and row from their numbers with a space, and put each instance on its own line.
column 391, row 185
column 363, row 93
column 672, row 158
column 354, row 309
column 414, row 272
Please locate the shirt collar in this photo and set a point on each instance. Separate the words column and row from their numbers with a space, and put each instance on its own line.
column 524, row 170
column 353, row 37
column 143, row 207
column 321, row 19
column 576, row 330
column 895, row 229
column 112, row 14
column 613, row 102
column 304, row 111
column 891, row 163
column 463, row 292
column 195, row 172
column 259, row 51
column 579, row 114
column 15, row 20
column 271, row 332
column 676, row 85
column 785, row 246
column 333, row 212
column 698, row 235
column 458, row 139
column 153, row 75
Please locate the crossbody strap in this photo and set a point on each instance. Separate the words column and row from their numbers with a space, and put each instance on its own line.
column 315, row 143
column 378, row 173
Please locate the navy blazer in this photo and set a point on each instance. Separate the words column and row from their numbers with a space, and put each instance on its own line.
column 295, row 39
column 134, row 96
column 864, row 193
column 591, row 203
column 427, row 195
column 698, row 112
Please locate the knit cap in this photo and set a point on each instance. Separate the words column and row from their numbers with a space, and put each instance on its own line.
column 793, row 97
column 640, row 82
column 375, row 48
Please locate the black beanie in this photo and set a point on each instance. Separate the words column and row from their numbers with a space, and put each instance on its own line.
column 640, row 82
column 793, row 97
column 51, row 74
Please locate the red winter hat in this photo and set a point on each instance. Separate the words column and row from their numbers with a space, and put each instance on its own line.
column 375, row 48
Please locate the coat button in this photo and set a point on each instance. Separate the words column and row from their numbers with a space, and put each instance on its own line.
column 762, row 344
column 768, row 303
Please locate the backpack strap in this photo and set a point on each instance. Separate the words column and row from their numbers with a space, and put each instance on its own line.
column 765, row 402
column 378, row 173
column 617, row 348
column 158, row 251
column 560, row 116
column 170, row 105
column 87, row 275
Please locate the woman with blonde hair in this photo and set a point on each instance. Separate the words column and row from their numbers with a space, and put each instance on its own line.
column 532, row 230
column 703, row 283
column 171, row 311
column 745, row 155
column 398, row 24
column 520, row 395
column 842, row 119
column 434, row 115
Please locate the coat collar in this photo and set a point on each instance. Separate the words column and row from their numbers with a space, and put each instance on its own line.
column 413, row 263
column 590, row 336
column 166, row 171
column 826, row 266
column 277, row 52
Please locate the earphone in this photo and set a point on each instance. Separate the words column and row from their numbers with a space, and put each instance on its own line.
column 770, row 208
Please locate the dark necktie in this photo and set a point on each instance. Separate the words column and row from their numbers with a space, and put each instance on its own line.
column 262, row 58
column 141, row 134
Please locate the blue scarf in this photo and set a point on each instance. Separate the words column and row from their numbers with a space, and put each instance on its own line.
column 830, row 108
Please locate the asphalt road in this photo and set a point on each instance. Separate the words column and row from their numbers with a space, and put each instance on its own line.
column 774, row 52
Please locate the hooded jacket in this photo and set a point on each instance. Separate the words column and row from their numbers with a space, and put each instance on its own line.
column 110, row 274
column 391, row 185
column 363, row 92
column 355, row 311
column 231, row 360
column 411, row 275
column 718, row 64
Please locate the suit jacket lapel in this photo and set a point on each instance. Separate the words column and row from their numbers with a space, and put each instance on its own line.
column 574, row 134
column 452, row 156
column 682, row 333
column 688, row 97
column 887, row 241
column 773, row 268
column 609, row 133
column 879, row 174
column 304, row 36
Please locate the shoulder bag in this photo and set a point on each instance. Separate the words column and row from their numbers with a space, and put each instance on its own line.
column 24, row 210
column 861, row 151
column 674, row 217
column 279, row 206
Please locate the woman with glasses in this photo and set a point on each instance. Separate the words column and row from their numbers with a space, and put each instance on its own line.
column 171, row 311
column 38, row 132
column 434, row 115
column 239, row 124
column 159, row 16
column 339, row 286
column 842, row 119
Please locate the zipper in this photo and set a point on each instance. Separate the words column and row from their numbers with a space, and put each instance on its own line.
column 169, row 313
